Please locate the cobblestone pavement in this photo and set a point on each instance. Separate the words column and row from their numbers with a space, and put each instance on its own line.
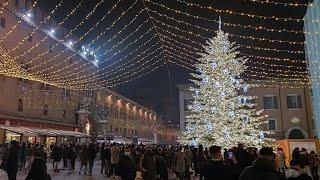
column 66, row 175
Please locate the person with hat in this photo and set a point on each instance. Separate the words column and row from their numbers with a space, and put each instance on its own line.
column 263, row 168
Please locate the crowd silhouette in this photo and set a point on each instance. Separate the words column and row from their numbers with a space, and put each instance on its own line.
column 151, row 162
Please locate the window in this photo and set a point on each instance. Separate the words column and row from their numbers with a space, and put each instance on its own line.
column 20, row 105
column 64, row 113
column 270, row 102
column 294, row 101
column 45, row 110
column 3, row 22
column 272, row 124
column 16, row 3
column 30, row 37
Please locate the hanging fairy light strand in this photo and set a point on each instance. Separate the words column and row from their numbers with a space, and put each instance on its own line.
column 240, row 13
column 2, row 38
column 248, row 37
column 21, row 42
column 50, row 33
column 92, row 76
column 57, row 55
column 123, row 49
column 205, row 38
column 193, row 57
column 263, row 2
column 194, row 48
column 249, row 27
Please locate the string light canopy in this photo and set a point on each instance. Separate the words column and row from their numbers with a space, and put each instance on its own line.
column 107, row 45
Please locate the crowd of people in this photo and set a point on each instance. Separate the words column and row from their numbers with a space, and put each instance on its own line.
column 151, row 162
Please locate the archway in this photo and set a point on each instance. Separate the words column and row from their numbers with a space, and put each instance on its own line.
column 296, row 134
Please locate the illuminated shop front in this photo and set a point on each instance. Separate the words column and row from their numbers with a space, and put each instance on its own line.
column 12, row 136
column 44, row 136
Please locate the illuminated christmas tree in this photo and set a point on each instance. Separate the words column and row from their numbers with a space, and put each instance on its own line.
column 221, row 112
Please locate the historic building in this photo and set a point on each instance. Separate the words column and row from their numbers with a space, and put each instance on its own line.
column 289, row 110
column 38, row 57
column 121, row 118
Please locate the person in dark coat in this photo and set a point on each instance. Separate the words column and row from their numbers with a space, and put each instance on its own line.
column 201, row 160
column 296, row 153
column 304, row 157
column 263, row 168
column 39, row 152
column 242, row 156
column 56, row 156
column 147, row 165
column 161, row 165
column 12, row 161
column 83, row 158
column 22, row 159
column 108, row 161
column 127, row 168
column 103, row 157
column 216, row 168
column 65, row 151
column 314, row 165
column 38, row 170
column 91, row 156
column 71, row 157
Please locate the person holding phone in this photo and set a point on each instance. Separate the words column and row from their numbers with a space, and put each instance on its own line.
column 217, row 168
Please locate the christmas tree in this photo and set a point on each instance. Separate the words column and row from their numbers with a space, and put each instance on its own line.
column 221, row 112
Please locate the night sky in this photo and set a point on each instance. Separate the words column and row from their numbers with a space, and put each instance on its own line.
column 158, row 90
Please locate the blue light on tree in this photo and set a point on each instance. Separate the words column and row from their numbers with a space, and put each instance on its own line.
column 213, row 65
column 261, row 135
column 210, row 128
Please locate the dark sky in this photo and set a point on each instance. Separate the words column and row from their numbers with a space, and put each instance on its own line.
column 158, row 89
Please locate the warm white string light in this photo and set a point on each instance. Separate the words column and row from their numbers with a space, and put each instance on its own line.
column 205, row 38
column 62, row 51
column 51, row 33
column 123, row 49
column 241, row 13
column 194, row 48
column 2, row 38
column 21, row 42
column 280, row 3
column 240, row 36
column 92, row 76
column 249, row 27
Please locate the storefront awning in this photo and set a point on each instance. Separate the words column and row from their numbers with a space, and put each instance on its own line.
column 122, row 140
column 43, row 132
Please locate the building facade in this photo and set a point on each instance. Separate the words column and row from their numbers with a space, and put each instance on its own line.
column 35, row 47
column 289, row 110
column 39, row 65
column 121, row 118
